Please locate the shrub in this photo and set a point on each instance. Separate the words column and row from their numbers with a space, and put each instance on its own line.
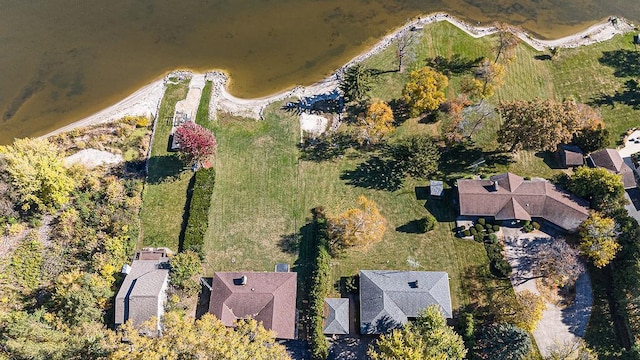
column 427, row 223
column 535, row 225
column 184, row 270
column 473, row 231
column 527, row 228
column 463, row 228
column 526, row 222
column 488, row 226
column 496, row 227
column 481, row 221
column 502, row 267
column 493, row 238
column 479, row 237
column 466, row 233
column 479, row 227
column 489, row 231
column 198, row 220
column 466, row 328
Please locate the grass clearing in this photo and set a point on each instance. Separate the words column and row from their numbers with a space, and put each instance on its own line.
column 263, row 194
column 165, row 193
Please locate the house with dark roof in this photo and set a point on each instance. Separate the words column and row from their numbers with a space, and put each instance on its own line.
column 611, row 160
column 142, row 294
column 336, row 316
column 569, row 156
column 510, row 197
column 269, row 297
column 390, row 298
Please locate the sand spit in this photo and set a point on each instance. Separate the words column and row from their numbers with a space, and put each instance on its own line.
column 146, row 101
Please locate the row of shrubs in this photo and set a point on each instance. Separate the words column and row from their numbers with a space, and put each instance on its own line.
column 479, row 229
column 320, row 282
column 198, row 220
column 494, row 248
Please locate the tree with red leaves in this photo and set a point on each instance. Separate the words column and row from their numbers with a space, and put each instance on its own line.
column 196, row 143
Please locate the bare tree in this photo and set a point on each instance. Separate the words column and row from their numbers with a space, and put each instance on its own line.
column 403, row 43
column 558, row 262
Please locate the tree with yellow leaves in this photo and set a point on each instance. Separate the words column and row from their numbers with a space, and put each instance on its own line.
column 185, row 338
column 358, row 227
column 37, row 174
column 598, row 239
column 376, row 124
column 425, row 90
column 523, row 311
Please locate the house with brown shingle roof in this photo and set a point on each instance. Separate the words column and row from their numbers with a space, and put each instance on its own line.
column 510, row 197
column 611, row 160
column 269, row 297
column 569, row 156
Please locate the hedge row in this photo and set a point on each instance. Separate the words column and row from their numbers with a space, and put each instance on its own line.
column 320, row 282
column 198, row 220
column 494, row 250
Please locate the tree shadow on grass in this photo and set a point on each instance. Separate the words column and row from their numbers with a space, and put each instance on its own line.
column 629, row 96
column 375, row 173
column 442, row 209
column 289, row 243
column 544, row 57
column 462, row 157
column 412, row 227
column 400, row 111
column 625, row 63
column 163, row 168
column 186, row 212
column 549, row 159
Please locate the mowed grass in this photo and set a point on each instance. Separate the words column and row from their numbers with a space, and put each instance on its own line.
column 165, row 192
column 264, row 194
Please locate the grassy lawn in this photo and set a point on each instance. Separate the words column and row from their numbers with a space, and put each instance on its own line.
column 166, row 189
column 263, row 194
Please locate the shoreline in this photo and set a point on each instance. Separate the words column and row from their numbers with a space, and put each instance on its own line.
column 146, row 100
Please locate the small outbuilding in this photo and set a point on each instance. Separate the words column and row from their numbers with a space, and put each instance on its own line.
column 336, row 316
column 436, row 188
column 569, row 156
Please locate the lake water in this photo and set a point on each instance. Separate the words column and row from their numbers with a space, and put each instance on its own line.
column 61, row 60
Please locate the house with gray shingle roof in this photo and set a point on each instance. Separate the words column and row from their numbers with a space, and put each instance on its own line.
column 569, row 156
column 510, row 197
column 336, row 316
column 142, row 294
column 390, row 298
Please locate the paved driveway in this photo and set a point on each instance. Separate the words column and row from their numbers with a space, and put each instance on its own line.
column 558, row 326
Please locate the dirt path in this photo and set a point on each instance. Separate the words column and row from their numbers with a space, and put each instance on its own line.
column 558, row 326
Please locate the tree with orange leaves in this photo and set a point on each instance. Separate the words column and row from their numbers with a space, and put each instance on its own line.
column 357, row 227
column 376, row 124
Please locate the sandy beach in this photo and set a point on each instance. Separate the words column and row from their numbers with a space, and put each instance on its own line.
column 146, row 101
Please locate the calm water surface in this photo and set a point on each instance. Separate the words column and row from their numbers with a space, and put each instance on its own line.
column 61, row 60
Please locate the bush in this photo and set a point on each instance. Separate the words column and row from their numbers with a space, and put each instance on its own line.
column 184, row 270
column 526, row 222
column 496, row 227
column 489, row 231
column 198, row 220
column 427, row 223
column 527, row 228
column 502, row 267
column 473, row 231
column 466, row 233
column 481, row 221
column 488, row 226
column 535, row 225
column 479, row 237
column 479, row 227
column 463, row 228
column 493, row 238
column 466, row 328
column 319, row 289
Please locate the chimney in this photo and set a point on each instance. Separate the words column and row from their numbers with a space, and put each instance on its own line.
column 494, row 186
column 126, row 269
column 243, row 280
column 417, row 285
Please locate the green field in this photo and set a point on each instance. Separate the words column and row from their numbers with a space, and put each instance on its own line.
column 165, row 192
